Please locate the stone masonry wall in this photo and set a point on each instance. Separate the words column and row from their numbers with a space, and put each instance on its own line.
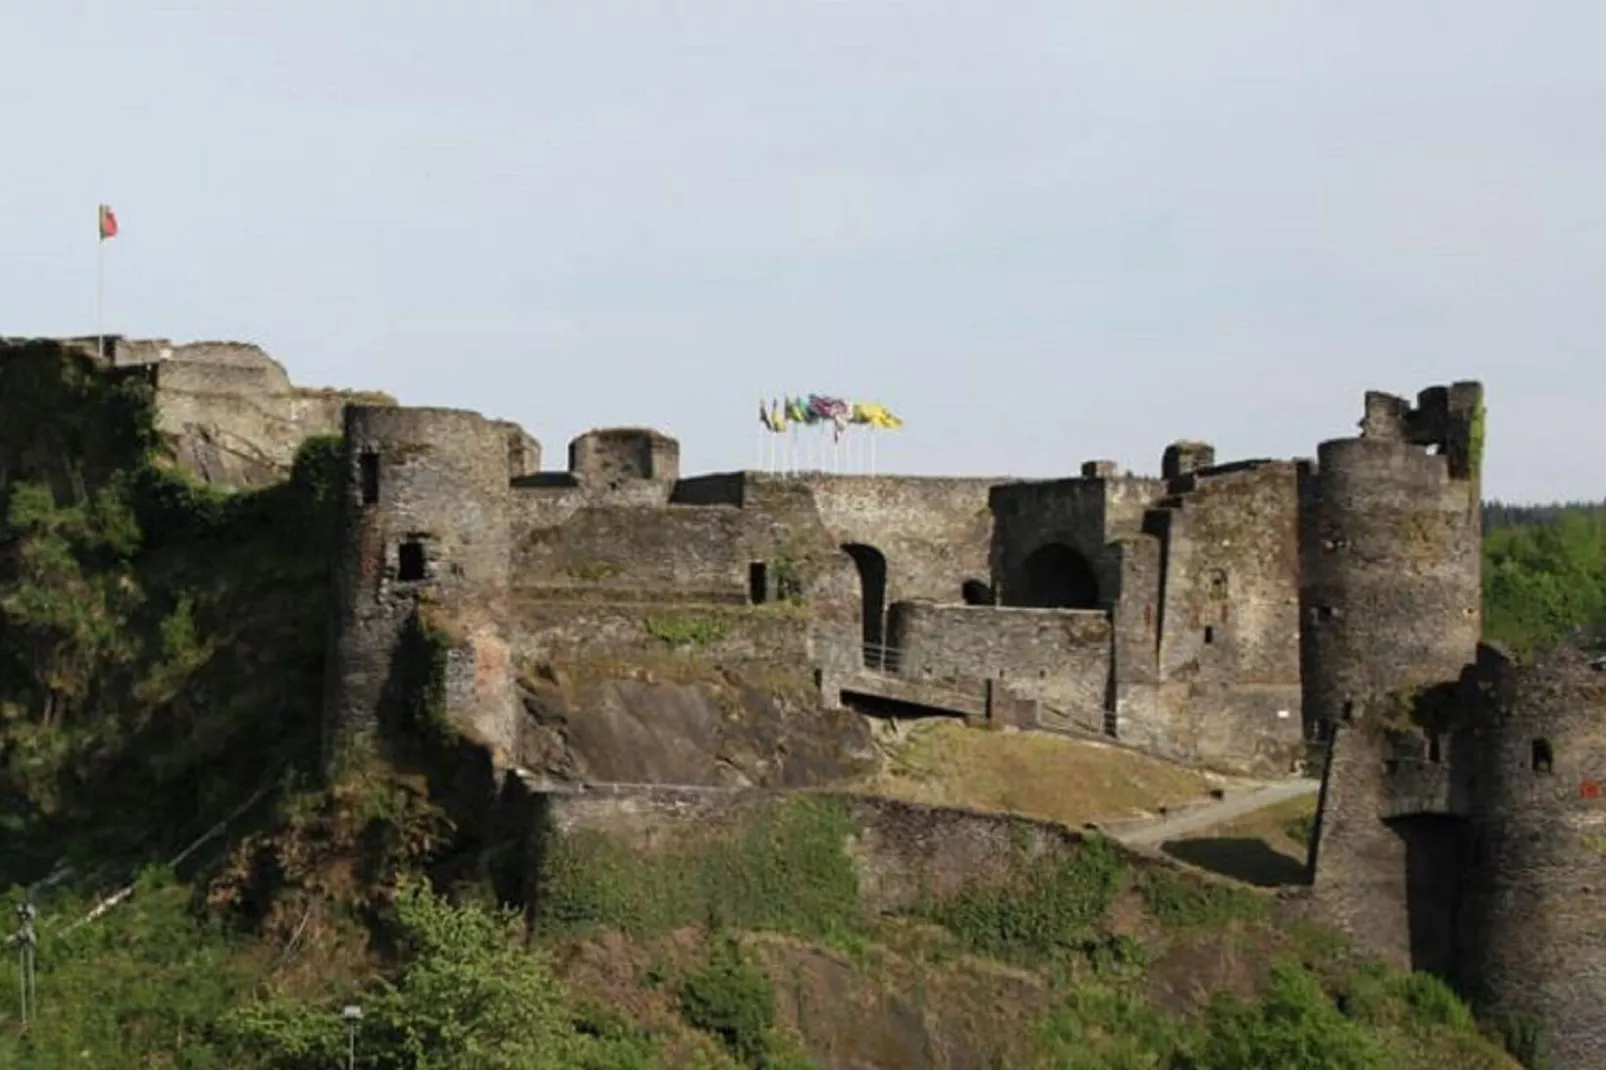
column 1536, row 933
column 424, row 533
column 545, row 629
column 1084, row 514
column 1058, row 657
column 934, row 532
column 683, row 553
column 1229, row 622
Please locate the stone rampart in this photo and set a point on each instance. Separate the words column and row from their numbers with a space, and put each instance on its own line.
column 1058, row 657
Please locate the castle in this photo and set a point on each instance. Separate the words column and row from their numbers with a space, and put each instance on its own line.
column 1235, row 615
column 1162, row 611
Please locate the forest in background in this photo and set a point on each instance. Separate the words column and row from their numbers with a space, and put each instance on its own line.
column 1544, row 573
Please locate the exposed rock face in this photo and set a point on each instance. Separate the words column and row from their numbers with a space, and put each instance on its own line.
column 228, row 410
column 727, row 733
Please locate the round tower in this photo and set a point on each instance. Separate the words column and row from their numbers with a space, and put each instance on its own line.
column 1391, row 606
column 1536, row 932
column 424, row 544
column 1394, row 581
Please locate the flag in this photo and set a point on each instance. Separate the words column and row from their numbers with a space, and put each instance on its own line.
column 108, row 222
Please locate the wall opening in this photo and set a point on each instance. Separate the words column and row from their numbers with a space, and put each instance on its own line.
column 976, row 593
column 1210, row 634
column 872, row 566
column 368, row 473
column 758, row 583
column 1436, row 851
column 1058, row 577
column 1542, row 758
column 1435, row 752
column 410, row 561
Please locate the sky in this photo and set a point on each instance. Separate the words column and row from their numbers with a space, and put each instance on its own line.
column 1040, row 231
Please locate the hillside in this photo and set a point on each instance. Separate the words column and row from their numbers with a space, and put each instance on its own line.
column 161, row 669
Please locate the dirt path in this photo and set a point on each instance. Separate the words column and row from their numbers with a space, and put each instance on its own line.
column 1220, row 813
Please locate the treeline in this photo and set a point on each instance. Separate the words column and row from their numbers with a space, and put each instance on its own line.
column 1498, row 514
column 1544, row 573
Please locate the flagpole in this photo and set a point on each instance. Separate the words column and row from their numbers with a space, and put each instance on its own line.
column 100, row 294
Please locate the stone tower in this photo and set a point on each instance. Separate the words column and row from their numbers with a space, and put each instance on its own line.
column 1536, row 916
column 424, row 537
column 1391, row 605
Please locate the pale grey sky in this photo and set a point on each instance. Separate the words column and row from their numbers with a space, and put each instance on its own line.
column 1040, row 230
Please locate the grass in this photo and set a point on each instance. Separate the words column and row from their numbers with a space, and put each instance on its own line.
column 1035, row 774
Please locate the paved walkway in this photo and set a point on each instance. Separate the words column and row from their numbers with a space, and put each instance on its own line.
column 1219, row 813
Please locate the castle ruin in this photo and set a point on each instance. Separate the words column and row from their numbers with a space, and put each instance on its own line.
column 1230, row 614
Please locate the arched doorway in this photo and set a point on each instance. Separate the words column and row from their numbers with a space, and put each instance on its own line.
column 1058, row 577
column 872, row 566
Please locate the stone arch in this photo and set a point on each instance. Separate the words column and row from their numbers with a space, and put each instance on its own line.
column 1059, row 577
column 872, row 566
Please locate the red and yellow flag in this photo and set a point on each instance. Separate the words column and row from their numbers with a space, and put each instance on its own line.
column 108, row 222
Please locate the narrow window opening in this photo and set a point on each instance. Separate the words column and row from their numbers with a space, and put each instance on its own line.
column 1349, row 710
column 368, row 468
column 1543, row 758
column 1210, row 634
column 1434, row 754
column 758, row 583
column 410, row 561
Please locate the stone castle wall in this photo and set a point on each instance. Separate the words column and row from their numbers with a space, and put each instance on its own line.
column 1059, row 658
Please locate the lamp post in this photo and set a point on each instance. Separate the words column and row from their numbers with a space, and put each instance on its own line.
column 351, row 1015
column 26, row 942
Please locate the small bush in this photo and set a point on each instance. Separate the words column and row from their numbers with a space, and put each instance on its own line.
column 1044, row 909
column 1523, row 1037
column 1177, row 901
column 733, row 1000
column 1296, row 1027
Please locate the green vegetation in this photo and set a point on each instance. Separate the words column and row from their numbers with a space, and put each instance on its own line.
column 159, row 641
column 731, row 998
column 593, row 571
column 1047, row 907
column 783, row 871
column 1052, row 912
column 687, row 631
column 1544, row 575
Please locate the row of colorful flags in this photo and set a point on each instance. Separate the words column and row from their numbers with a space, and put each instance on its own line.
column 817, row 409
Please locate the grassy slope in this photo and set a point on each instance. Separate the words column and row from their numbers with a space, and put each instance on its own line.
column 1056, row 778
column 1093, row 957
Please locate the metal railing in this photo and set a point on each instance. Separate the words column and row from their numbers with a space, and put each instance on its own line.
column 962, row 689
